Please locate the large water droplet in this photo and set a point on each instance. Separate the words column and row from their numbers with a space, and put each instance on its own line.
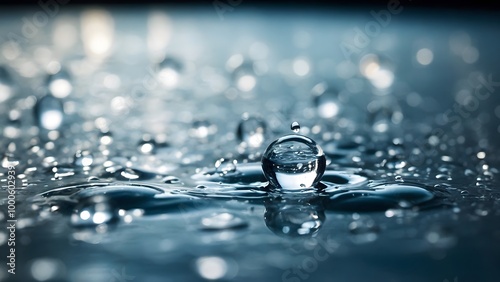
column 59, row 84
column 49, row 113
column 251, row 131
column 293, row 162
column 326, row 100
column 169, row 71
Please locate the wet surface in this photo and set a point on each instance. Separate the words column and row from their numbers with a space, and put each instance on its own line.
column 252, row 161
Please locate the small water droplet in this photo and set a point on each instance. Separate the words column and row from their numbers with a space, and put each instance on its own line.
column 326, row 100
column 290, row 218
column 49, row 113
column 202, row 129
column 281, row 160
column 225, row 166
column 295, row 127
column 59, row 84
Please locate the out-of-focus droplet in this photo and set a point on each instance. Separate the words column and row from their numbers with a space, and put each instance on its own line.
column 49, row 113
column 425, row 56
column 251, row 131
column 378, row 70
column 93, row 211
column 384, row 115
column 244, row 77
column 293, row 162
column 295, row 127
column 169, row 71
column 147, row 145
column 59, row 84
column 83, row 158
column 326, row 100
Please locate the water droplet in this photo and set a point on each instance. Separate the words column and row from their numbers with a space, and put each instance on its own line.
column 6, row 84
column 106, row 137
column 83, row 158
column 295, row 127
column 378, row 70
column 381, row 198
column 222, row 221
column 59, row 84
column 251, row 131
column 147, row 145
column 326, row 100
column 49, row 113
column 169, row 72
column 94, row 211
column 280, row 162
column 383, row 115
column 202, row 129
column 171, row 180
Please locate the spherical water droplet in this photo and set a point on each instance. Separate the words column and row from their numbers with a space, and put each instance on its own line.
column 94, row 211
column 251, row 131
column 59, row 84
column 169, row 71
column 147, row 145
column 106, row 137
column 363, row 232
column 83, row 158
column 223, row 221
column 6, row 84
column 326, row 100
column 280, row 162
column 378, row 70
column 49, row 113
column 294, row 220
column 244, row 77
column 295, row 127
